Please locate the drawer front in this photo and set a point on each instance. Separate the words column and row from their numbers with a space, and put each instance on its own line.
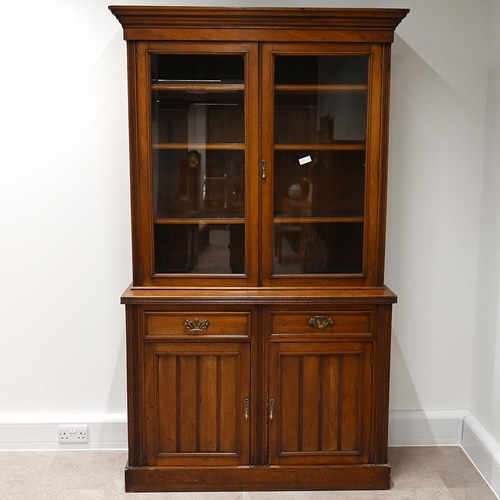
column 318, row 322
column 197, row 324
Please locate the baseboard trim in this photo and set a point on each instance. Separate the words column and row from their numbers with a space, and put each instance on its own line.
column 109, row 431
column 483, row 451
column 426, row 428
column 39, row 431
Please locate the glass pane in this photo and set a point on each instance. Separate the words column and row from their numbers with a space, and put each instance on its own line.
column 191, row 183
column 198, row 116
column 321, row 70
column 198, row 163
column 196, row 68
column 320, row 99
column 332, row 183
column 320, row 119
column 318, row 248
column 200, row 248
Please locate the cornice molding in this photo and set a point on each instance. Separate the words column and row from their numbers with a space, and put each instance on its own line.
column 258, row 18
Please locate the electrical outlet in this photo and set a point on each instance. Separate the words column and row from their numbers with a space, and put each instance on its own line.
column 72, row 433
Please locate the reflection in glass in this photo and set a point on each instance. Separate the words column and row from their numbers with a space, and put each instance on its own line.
column 318, row 248
column 320, row 99
column 320, row 117
column 198, row 163
column 319, row 181
column 332, row 183
column 199, row 184
column 200, row 248
column 185, row 68
column 198, row 116
column 321, row 70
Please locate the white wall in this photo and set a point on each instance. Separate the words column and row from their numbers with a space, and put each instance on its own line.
column 486, row 359
column 435, row 170
column 64, row 203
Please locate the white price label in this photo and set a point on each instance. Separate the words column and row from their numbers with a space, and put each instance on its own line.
column 304, row 160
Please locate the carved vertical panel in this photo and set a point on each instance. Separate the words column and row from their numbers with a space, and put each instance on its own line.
column 195, row 404
column 322, row 394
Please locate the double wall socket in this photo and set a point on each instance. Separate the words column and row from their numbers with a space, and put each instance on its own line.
column 72, row 433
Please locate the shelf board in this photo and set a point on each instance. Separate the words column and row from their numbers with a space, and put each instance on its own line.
column 198, row 87
column 316, row 220
column 199, row 220
column 199, row 145
column 330, row 146
column 320, row 88
column 238, row 146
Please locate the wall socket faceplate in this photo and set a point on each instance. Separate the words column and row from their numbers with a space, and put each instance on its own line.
column 72, row 433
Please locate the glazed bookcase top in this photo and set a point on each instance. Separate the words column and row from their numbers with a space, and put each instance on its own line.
column 259, row 145
column 372, row 24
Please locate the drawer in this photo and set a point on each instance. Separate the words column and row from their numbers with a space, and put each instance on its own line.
column 196, row 323
column 322, row 323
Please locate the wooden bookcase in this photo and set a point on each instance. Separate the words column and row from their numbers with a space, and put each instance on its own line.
column 258, row 322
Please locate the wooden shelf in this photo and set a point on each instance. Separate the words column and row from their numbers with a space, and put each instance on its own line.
column 321, row 88
column 316, row 220
column 198, row 87
column 200, row 145
column 331, row 146
column 199, row 220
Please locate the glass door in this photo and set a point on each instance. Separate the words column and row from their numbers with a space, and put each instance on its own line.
column 318, row 164
column 199, row 152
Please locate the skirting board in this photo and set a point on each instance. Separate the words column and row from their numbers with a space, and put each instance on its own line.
column 426, row 427
column 40, row 431
column 109, row 431
column 483, row 451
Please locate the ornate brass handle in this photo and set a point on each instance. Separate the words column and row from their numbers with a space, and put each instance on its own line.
column 270, row 409
column 320, row 322
column 246, row 408
column 263, row 168
column 196, row 325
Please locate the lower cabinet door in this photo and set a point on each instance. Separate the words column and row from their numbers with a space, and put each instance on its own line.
column 319, row 403
column 197, row 409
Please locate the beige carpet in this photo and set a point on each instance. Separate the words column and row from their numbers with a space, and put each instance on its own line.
column 418, row 474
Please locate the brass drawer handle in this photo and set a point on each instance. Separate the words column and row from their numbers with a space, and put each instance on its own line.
column 196, row 325
column 270, row 409
column 321, row 322
column 246, row 408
